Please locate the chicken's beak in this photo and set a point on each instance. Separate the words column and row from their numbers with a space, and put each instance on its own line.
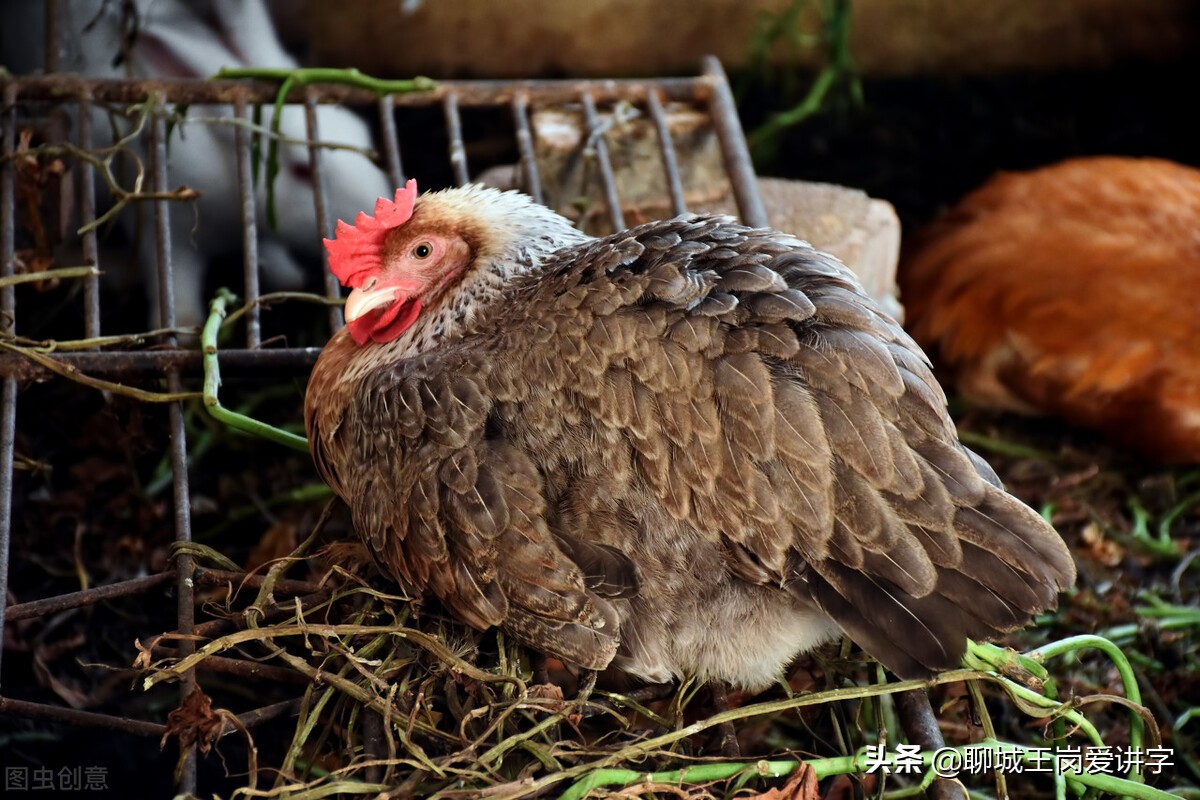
column 368, row 298
column 377, row 293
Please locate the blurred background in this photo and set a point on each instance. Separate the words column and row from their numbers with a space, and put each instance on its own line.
column 928, row 97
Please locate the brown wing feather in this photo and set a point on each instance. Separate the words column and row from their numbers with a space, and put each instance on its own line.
column 786, row 419
column 477, row 531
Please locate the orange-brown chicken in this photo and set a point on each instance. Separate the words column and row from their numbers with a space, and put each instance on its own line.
column 1072, row 290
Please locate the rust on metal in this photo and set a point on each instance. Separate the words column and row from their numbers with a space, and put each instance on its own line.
column 238, row 667
column 268, row 713
column 71, row 716
column 734, row 147
column 151, row 364
column 595, row 141
column 86, row 597
column 87, row 213
column 454, row 132
column 391, row 141
column 667, row 150
column 216, row 577
column 531, row 181
column 479, row 94
column 8, row 387
column 245, row 180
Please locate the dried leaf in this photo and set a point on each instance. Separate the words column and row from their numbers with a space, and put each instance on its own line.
column 277, row 542
column 801, row 786
column 195, row 723
column 1100, row 548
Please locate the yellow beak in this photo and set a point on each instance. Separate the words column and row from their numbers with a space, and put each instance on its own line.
column 363, row 299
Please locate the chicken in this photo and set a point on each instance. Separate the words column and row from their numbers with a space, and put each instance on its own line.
column 1072, row 290
column 691, row 448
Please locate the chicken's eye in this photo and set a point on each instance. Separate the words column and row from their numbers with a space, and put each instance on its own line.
column 423, row 250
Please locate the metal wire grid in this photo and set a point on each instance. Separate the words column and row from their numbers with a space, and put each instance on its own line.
column 177, row 364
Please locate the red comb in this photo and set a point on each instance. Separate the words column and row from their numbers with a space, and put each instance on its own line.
column 356, row 250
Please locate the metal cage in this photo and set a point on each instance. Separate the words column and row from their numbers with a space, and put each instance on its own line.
column 165, row 360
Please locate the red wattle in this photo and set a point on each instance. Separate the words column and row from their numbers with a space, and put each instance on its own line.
column 405, row 315
column 360, row 329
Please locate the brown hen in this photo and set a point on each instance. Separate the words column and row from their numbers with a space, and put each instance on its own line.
column 687, row 449
column 1072, row 290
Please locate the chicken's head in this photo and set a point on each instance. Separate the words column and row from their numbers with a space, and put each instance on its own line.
column 393, row 264
column 415, row 254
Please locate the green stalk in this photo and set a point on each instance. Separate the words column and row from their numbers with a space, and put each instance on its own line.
column 289, row 79
column 1124, row 669
column 346, row 77
column 212, row 382
column 844, row 765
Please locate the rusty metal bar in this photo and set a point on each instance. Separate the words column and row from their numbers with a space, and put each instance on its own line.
column 245, row 174
column 216, row 627
column 85, row 597
column 87, row 213
column 374, row 744
column 8, row 391
column 218, row 577
column 54, row 35
column 8, row 419
column 185, row 593
column 667, row 148
column 469, row 94
column 316, row 166
column 595, row 140
column 268, row 713
column 252, row 669
column 391, row 141
column 242, row 668
column 458, row 151
column 213, row 628
column 529, row 168
column 733, row 147
column 135, row 727
column 185, row 588
column 162, row 221
column 153, row 363
column 8, row 211
column 71, row 716
column 921, row 725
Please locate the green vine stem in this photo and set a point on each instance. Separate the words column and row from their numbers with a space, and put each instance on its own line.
column 1015, row 672
column 839, row 70
column 212, row 382
column 1001, row 664
column 62, row 273
column 844, row 765
column 1124, row 669
column 71, row 373
column 289, row 79
column 313, row 75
